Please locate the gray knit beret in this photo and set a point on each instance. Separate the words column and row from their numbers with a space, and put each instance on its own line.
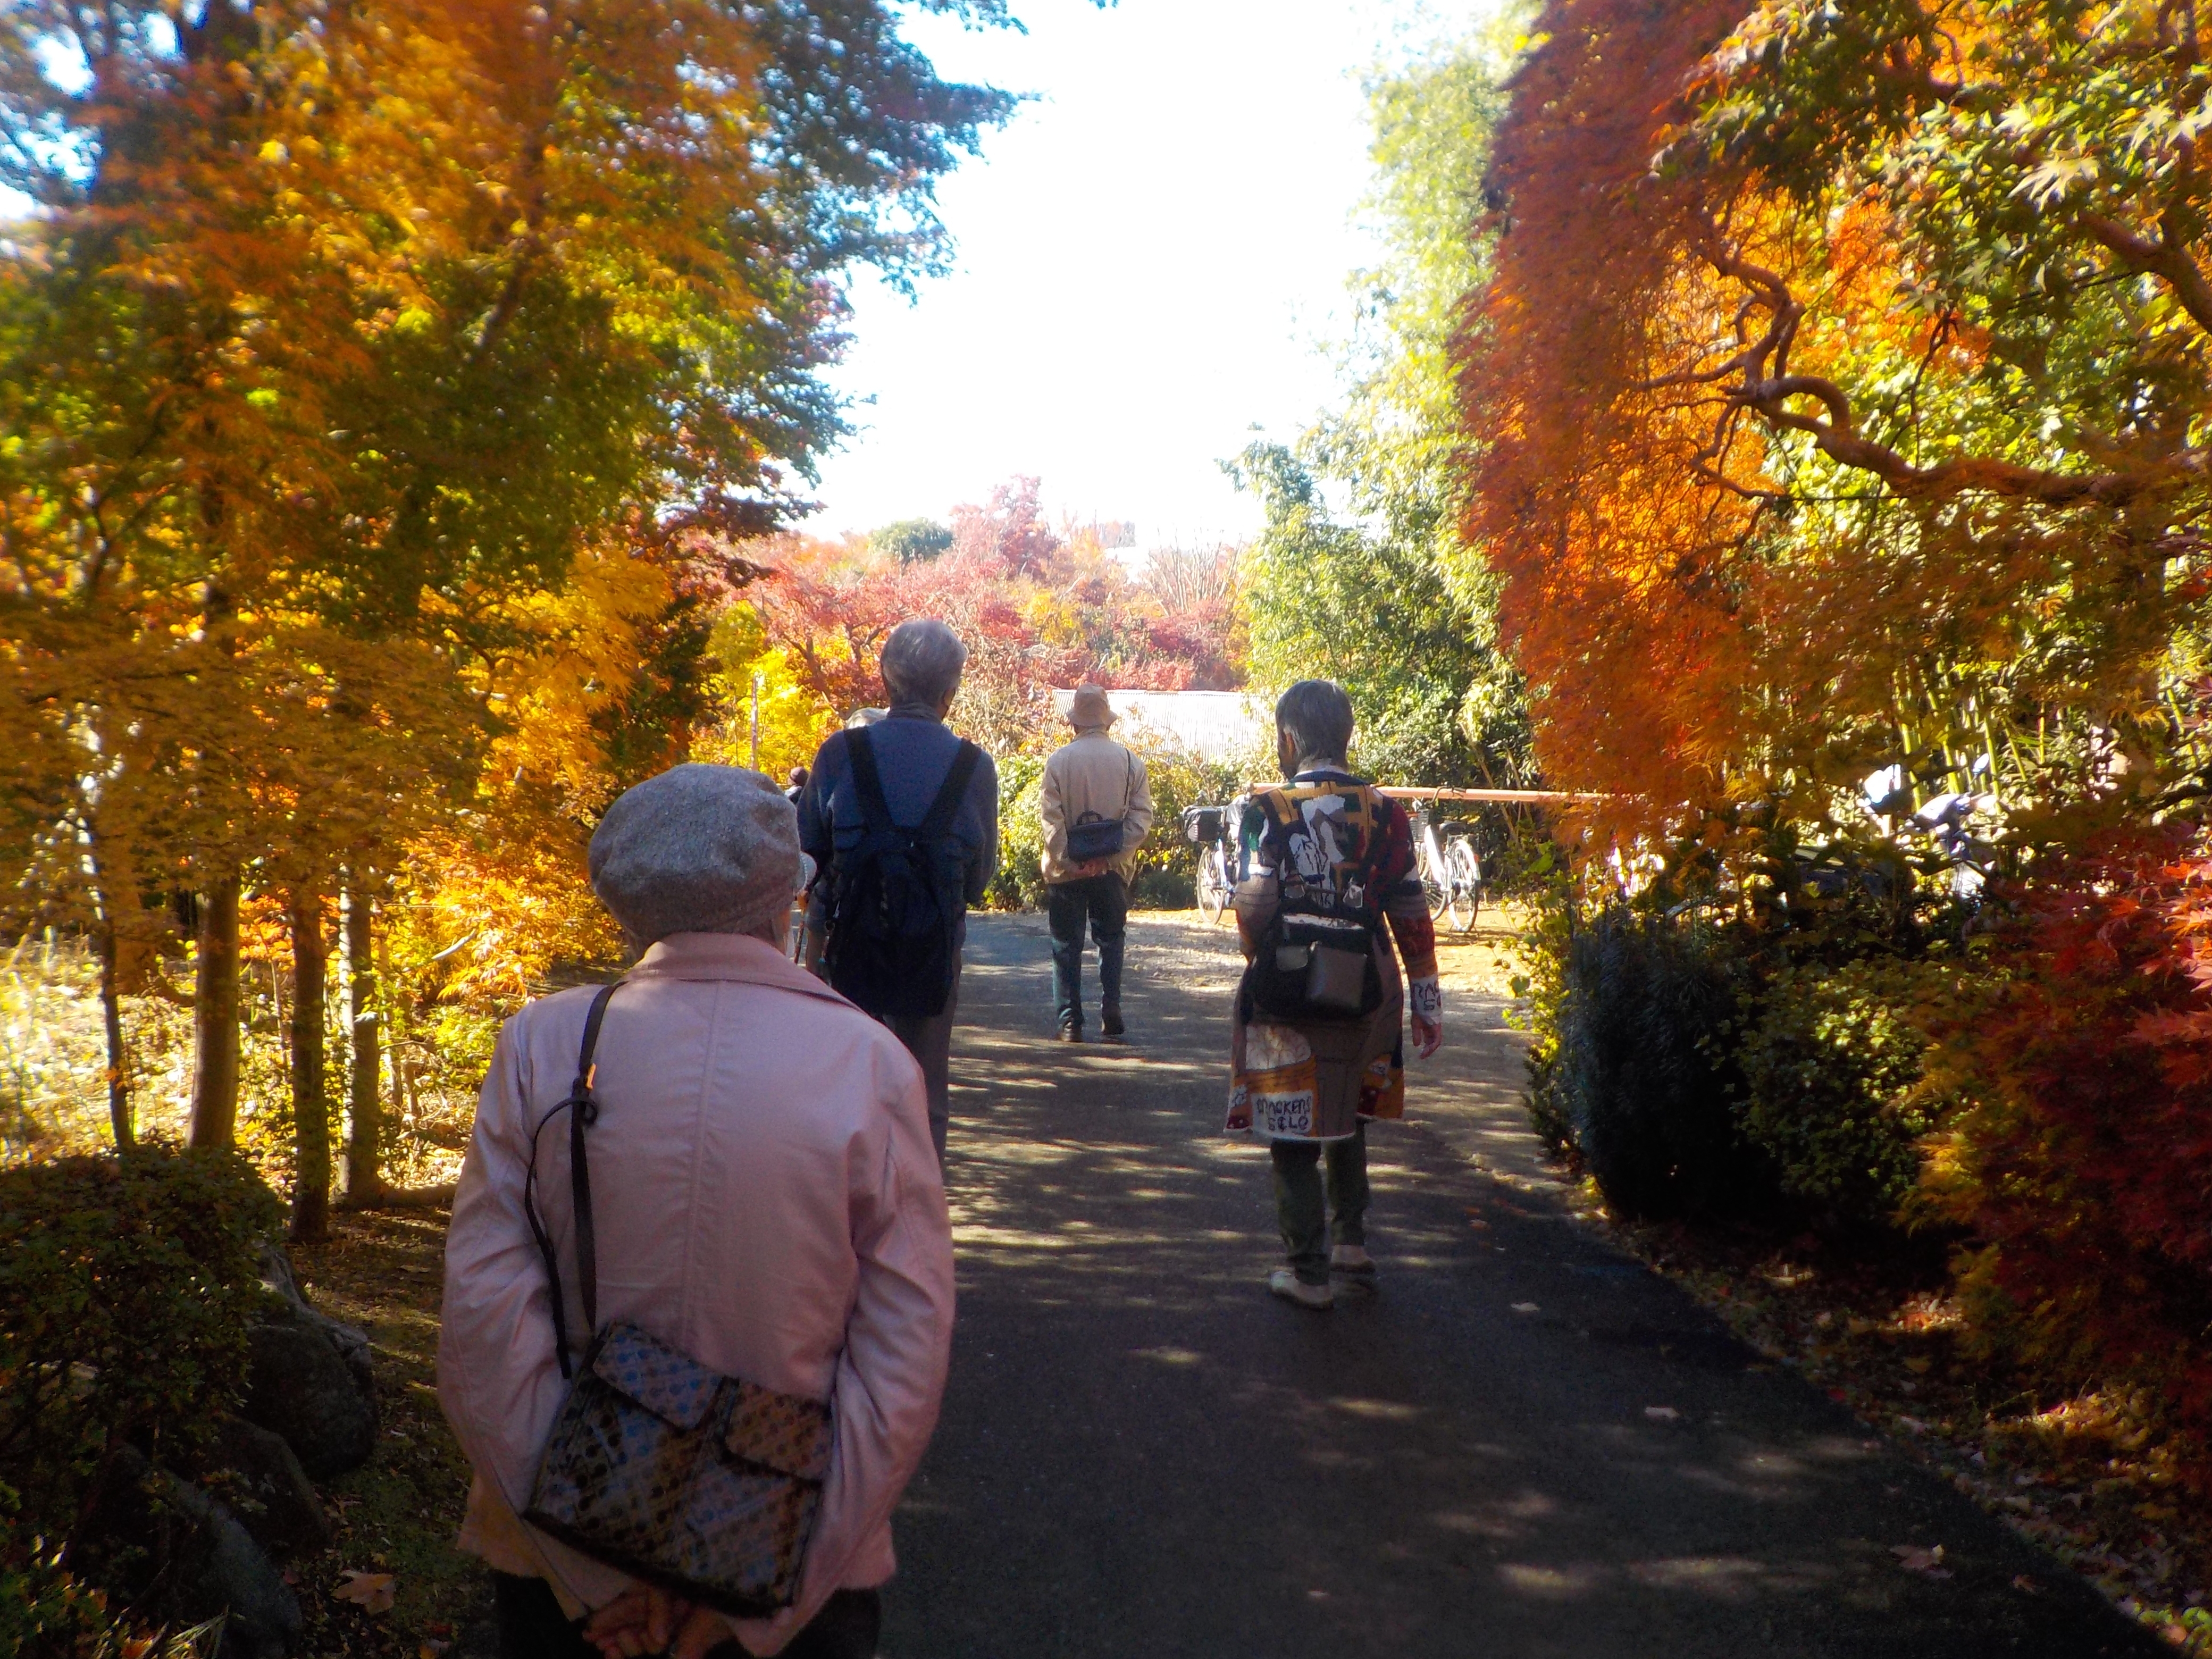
column 699, row 850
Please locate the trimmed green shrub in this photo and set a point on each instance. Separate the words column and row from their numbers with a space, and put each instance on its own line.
column 126, row 1283
column 1019, row 884
column 1635, row 1068
column 1832, row 1095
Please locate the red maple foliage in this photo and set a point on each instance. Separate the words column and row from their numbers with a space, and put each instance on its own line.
column 2084, row 1164
column 1037, row 612
column 1010, row 532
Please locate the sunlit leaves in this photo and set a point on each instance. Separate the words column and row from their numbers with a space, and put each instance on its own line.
column 1863, row 424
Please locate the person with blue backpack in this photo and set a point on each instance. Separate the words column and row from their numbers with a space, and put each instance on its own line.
column 901, row 817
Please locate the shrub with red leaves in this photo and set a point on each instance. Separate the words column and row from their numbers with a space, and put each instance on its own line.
column 2084, row 1164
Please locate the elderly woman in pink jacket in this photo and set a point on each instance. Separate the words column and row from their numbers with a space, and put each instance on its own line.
column 765, row 1200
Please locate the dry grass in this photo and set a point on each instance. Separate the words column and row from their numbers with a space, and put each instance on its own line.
column 53, row 1056
column 53, row 1069
column 1485, row 960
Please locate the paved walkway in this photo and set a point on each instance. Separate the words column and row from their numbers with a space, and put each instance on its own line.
column 1522, row 1445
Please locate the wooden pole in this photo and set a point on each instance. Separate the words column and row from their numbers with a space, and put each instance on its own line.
column 754, row 763
column 1503, row 797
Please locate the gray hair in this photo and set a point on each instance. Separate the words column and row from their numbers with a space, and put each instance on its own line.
column 922, row 660
column 1317, row 716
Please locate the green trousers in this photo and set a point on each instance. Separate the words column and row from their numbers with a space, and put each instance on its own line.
column 1302, row 1209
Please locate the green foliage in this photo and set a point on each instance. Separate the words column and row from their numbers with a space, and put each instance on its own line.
column 1634, row 1069
column 1831, row 1061
column 47, row 1613
column 912, row 540
column 1167, row 868
column 1436, row 702
column 126, row 1287
column 1390, row 602
column 1019, row 884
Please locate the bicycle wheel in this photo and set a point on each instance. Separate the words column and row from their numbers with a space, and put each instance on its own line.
column 1212, row 884
column 1466, row 872
column 1434, row 888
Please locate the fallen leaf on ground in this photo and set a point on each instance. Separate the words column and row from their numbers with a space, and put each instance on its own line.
column 372, row 1592
column 1928, row 1563
column 431, row 1649
column 1918, row 1366
column 1524, row 1307
column 2020, row 1581
column 1661, row 1414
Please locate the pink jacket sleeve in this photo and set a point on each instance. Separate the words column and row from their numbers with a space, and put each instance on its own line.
column 898, row 1346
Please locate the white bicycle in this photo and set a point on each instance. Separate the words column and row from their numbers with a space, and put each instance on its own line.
column 1208, row 827
column 1450, row 872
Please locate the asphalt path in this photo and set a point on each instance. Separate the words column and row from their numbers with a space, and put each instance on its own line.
column 1521, row 1443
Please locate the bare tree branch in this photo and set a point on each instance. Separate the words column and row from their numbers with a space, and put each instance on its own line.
column 1769, row 390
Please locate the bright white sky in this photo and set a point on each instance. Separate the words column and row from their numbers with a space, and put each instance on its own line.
column 1150, row 259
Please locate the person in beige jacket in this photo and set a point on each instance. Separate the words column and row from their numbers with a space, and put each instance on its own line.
column 766, row 1198
column 1090, row 777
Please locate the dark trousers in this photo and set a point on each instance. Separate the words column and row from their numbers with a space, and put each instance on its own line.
column 1299, row 1199
column 532, row 1627
column 929, row 1042
column 1104, row 902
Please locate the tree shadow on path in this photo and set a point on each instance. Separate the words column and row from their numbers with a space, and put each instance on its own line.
column 1520, row 1444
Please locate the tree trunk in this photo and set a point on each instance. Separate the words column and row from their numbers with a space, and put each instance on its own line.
column 310, row 1105
column 110, row 995
column 214, row 1019
column 364, row 1105
column 111, row 1012
column 396, row 1037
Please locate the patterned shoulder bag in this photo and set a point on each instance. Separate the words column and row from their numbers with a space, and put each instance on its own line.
column 705, row 1485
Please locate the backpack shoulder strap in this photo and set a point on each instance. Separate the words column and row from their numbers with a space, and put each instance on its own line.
column 867, row 781
column 951, row 792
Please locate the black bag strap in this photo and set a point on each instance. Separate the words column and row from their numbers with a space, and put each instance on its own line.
column 951, row 792
column 867, row 781
column 582, row 1106
column 875, row 809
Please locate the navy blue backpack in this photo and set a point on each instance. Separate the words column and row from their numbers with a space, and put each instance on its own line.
column 896, row 907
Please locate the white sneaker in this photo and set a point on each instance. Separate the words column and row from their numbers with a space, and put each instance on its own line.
column 1288, row 1285
column 1352, row 1261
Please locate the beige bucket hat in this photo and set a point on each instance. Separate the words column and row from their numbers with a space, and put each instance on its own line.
column 1090, row 707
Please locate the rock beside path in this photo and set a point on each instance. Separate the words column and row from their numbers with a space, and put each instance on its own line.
column 310, row 1379
column 278, row 1506
column 183, row 1558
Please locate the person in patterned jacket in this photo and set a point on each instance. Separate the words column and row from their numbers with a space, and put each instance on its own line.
column 1325, row 882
